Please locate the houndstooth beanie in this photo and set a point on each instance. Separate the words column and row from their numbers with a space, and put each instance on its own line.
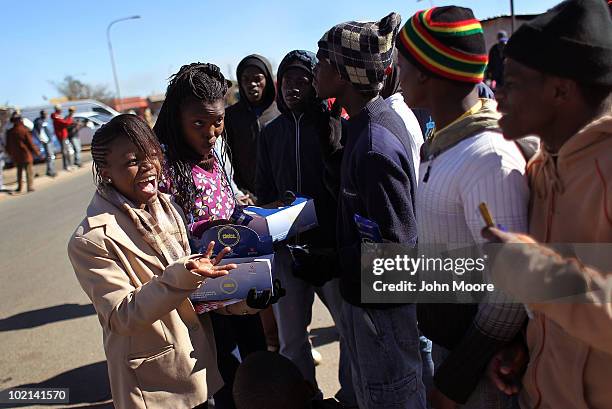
column 361, row 51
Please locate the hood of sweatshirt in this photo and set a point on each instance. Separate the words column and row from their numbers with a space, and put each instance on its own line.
column 596, row 132
column 263, row 64
column 301, row 59
column 587, row 144
column 391, row 85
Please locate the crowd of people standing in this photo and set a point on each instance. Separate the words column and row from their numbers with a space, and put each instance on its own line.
column 17, row 140
column 344, row 126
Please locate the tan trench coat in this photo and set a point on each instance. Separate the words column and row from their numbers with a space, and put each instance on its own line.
column 159, row 354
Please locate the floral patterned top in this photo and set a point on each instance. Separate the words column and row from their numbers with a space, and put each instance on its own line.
column 214, row 199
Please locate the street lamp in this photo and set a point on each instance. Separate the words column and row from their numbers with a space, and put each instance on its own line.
column 110, row 51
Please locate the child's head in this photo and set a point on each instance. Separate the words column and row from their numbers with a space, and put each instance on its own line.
column 267, row 380
column 126, row 155
column 190, row 121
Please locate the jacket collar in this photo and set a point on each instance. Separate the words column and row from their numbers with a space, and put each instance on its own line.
column 119, row 227
column 376, row 106
column 371, row 109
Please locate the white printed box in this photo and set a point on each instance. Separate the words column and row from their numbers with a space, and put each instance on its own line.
column 252, row 272
column 283, row 222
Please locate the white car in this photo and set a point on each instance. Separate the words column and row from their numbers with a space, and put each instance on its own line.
column 93, row 121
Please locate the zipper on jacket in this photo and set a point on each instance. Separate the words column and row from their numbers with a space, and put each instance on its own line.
column 297, row 161
column 551, row 207
column 536, row 364
column 297, row 152
column 551, row 210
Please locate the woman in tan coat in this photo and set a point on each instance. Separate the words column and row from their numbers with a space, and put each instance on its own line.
column 131, row 256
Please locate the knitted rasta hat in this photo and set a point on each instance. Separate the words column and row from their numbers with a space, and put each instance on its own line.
column 361, row 51
column 445, row 41
column 572, row 40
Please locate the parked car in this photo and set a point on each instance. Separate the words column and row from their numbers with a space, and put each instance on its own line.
column 92, row 121
column 81, row 106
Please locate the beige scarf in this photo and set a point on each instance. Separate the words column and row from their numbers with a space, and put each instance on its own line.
column 485, row 119
column 160, row 225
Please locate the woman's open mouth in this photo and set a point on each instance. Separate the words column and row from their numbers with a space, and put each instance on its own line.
column 148, row 185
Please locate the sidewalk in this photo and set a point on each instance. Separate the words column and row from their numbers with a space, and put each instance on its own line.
column 40, row 178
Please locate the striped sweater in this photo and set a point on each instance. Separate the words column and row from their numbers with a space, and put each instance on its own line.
column 481, row 168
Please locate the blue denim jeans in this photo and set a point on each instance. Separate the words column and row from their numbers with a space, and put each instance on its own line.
column 385, row 354
column 67, row 155
column 76, row 145
column 50, row 157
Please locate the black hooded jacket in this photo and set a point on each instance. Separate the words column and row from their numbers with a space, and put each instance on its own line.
column 243, row 125
column 290, row 158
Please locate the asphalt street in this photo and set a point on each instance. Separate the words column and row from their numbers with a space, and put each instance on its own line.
column 49, row 333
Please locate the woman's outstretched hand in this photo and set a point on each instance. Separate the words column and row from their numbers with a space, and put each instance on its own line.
column 209, row 267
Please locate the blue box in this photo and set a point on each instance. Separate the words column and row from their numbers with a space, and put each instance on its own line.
column 252, row 272
column 243, row 241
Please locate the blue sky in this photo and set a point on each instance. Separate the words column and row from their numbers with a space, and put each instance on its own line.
column 45, row 41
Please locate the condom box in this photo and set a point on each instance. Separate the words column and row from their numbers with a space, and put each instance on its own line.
column 243, row 241
column 251, row 272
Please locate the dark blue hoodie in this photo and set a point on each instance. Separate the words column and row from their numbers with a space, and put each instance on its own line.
column 289, row 156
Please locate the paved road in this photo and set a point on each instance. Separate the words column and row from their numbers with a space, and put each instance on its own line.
column 49, row 334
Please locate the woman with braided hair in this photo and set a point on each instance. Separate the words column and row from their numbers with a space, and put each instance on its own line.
column 132, row 258
column 189, row 123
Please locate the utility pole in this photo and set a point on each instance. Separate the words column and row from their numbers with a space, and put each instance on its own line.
column 110, row 51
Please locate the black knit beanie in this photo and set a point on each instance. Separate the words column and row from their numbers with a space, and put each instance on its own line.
column 572, row 40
